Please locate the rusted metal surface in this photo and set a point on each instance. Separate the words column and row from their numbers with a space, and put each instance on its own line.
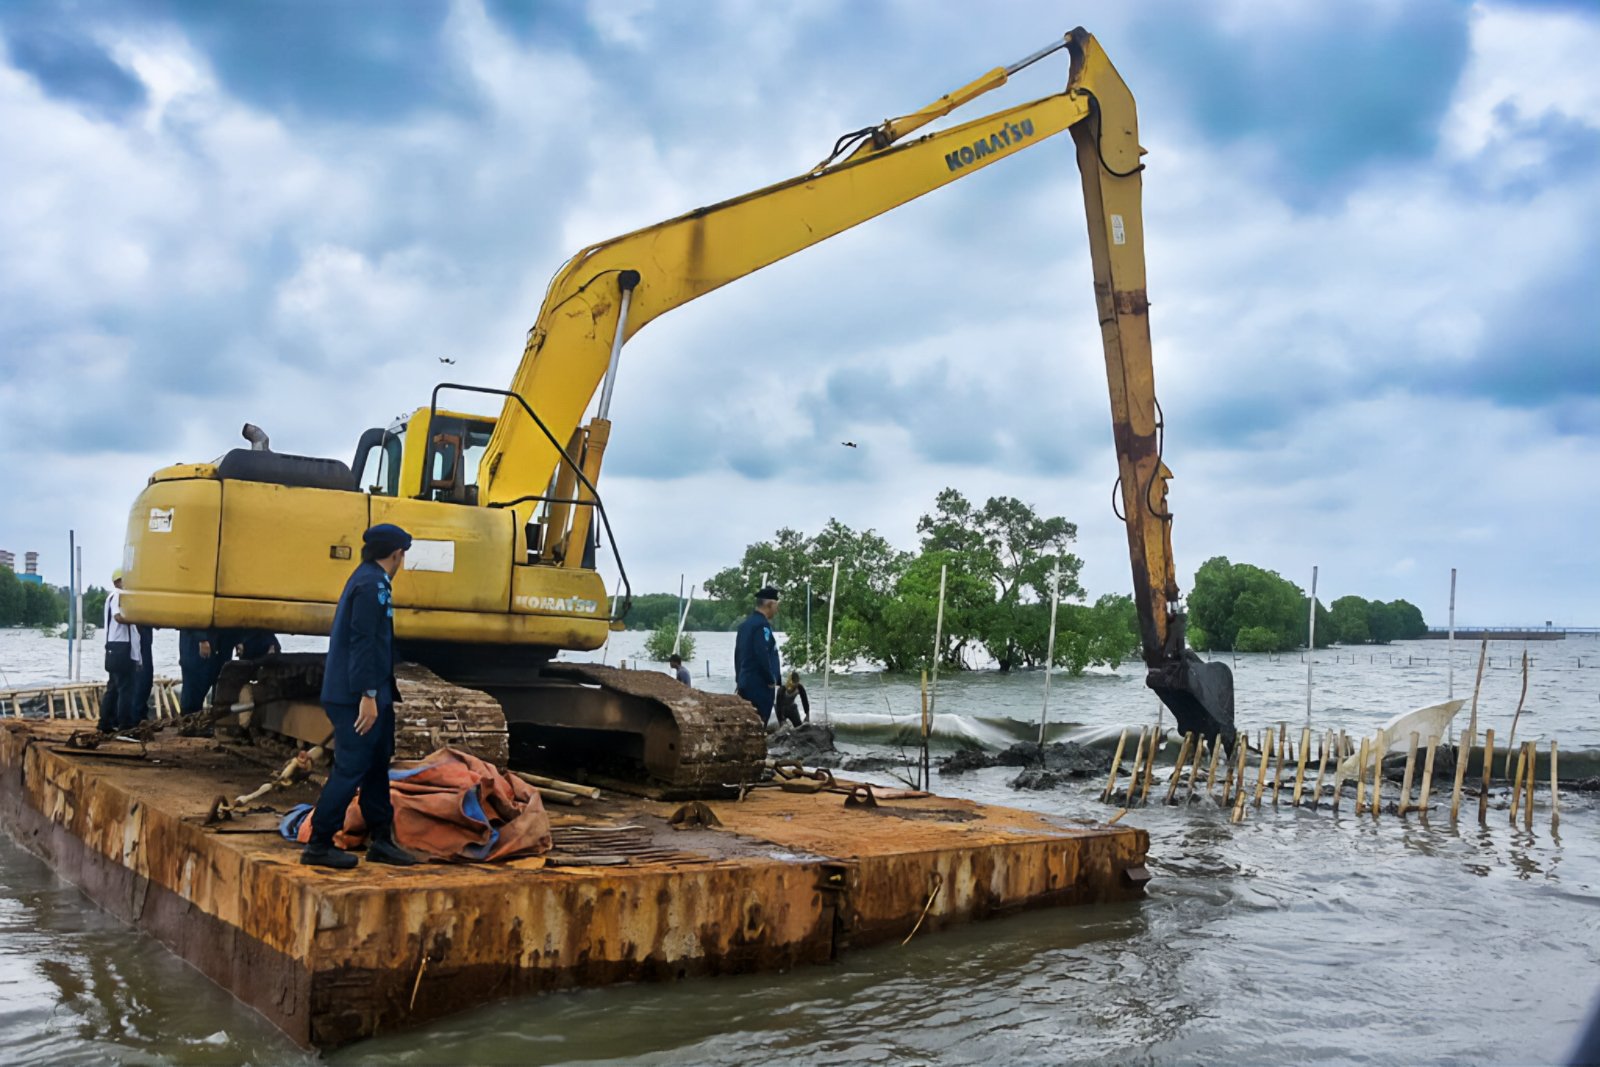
column 332, row 957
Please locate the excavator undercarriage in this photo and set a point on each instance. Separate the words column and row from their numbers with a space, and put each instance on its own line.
column 635, row 729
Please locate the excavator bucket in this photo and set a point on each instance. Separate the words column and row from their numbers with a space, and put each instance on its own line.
column 1200, row 695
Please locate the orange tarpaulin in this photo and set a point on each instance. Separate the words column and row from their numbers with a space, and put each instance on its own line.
column 454, row 807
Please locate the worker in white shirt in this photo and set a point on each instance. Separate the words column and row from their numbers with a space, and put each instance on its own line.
column 123, row 660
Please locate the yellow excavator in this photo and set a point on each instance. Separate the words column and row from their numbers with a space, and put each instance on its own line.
column 506, row 511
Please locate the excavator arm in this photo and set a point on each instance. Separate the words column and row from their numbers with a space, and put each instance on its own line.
column 611, row 290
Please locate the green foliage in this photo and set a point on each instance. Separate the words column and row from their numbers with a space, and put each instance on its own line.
column 997, row 561
column 1257, row 639
column 650, row 608
column 29, row 603
column 11, row 597
column 1008, row 543
column 1357, row 621
column 1348, row 621
column 658, row 646
column 1235, row 603
column 1246, row 609
column 1102, row 634
column 94, row 605
column 869, row 568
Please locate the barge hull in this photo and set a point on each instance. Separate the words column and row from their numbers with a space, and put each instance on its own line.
column 332, row 957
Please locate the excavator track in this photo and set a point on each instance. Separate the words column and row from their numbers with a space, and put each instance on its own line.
column 281, row 695
column 641, row 728
column 644, row 727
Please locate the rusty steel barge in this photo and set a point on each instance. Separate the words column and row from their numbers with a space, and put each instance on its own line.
column 332, row 957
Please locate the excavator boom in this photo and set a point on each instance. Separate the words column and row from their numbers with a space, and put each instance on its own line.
column 502, row 574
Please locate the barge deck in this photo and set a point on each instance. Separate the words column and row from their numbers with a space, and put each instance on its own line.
column 331, row 957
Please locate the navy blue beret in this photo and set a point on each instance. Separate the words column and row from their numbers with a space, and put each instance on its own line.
column 386, row 538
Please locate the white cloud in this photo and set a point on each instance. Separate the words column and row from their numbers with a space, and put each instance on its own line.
column 212, row 261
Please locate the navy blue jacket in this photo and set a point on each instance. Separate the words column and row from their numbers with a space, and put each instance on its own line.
column 361, row 646
column 755, row 655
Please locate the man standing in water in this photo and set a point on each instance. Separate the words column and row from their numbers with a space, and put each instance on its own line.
column 756, row 669
column 358, row 693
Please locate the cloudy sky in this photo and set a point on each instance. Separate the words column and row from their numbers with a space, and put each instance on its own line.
column 1374, row 263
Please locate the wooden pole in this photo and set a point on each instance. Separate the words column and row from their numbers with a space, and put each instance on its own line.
column 1533, row 760
column 1427, row 773
column 1361, row 778
column 1377, row 779
column 1511, row 739
column 1463, row 753
column 1411, row 766
column 1483, row 655
column 1150, row 766
column 927, row 728
column 1311, row 642
column 1194, row 770
column 1216, row 750
column 1261, row 772
column 938, row 648
column 1300, row 766
column 1516, row 783
column 1483, row 789
column 1116, row 761
column 1050, row 653
column 1239, row 792
column 1277, row 775
column 1555, row 791
column 1136, row 769
column 1322, row 767
column 827, row 647
column 1177, row 768
column 1230, row 769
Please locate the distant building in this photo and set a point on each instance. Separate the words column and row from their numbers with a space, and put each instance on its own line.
column 8, row 559
column 31, row 561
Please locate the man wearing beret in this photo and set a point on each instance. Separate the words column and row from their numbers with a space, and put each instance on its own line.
column 358, row 693
column 755, row 655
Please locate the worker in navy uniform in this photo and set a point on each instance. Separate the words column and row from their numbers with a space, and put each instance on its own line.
column 756, row 669
column 144, row 679
column 358, row 693
column 194, row 660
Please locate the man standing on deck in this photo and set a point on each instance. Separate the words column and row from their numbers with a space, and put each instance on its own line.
column 194, row 660
column 756, row 669
column 358, row 694
column 122, row 663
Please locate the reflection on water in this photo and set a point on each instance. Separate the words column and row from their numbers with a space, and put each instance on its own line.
column 1293, row 937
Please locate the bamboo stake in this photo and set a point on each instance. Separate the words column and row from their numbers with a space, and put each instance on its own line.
column 1261, row 772
column 1377, row 779
column 1116, row 765
column 1300, row 767
column 1216, row 750
column 1361, row 778
column 1150, row 766
column 1463, row 753
column 1411, row 764
column 1194, row 770
column 1177, row 768
column 1516, row 783
column 1239, row 793
column 558, row 785
column 1277, row 775
column 1555, row 792
column 1230, row 769
column 1483, row 655
column 1511, row 739
column 1138, row 765
column 1427, row 773
column 1483, row 790
column 1322, row 767
column 1527, row 811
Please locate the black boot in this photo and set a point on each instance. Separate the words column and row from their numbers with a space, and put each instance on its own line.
column 322, row 852
column 382, row 848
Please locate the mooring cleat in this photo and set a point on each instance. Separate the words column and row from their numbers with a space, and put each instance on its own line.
column 318, row 854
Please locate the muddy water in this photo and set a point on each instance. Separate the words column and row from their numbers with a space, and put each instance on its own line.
column 1295, row 937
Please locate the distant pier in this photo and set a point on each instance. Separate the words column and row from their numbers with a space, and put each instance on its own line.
column 1504, row 633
